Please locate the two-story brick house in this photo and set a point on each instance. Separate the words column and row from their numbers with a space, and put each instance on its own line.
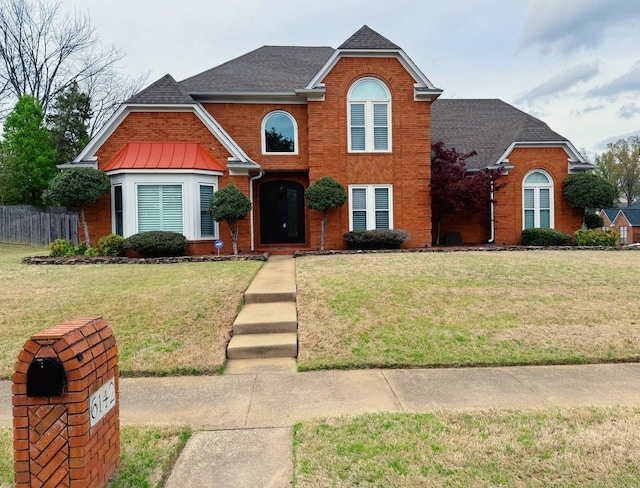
column 276, row 119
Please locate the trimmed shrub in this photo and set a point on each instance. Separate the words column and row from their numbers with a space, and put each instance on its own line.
column 596, row 238
column 544, row 237
column 375, row 239
column 92, row 252
column 157, row 243
column 61, row 248
column 593, row 221
column 111, row 245
column 81, row 249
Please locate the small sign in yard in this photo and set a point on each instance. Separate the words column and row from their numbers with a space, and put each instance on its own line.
column 218, row 244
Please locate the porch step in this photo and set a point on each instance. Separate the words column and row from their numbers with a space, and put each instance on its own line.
column 250, row 346
column 265, row 318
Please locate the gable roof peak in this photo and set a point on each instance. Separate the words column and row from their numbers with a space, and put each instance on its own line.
column 163, row 91
column 367, row 38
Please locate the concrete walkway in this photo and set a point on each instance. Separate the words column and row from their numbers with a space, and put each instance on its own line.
column 245, row 421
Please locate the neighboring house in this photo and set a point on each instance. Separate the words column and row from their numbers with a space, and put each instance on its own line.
column 276, row 119
column 625, row 221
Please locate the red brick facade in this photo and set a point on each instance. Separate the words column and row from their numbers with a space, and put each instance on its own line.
column 54, row 444
column 322, row 150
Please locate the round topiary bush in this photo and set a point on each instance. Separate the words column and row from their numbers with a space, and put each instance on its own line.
column 157, row 243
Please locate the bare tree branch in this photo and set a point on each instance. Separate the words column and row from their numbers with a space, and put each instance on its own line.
column 42, row 52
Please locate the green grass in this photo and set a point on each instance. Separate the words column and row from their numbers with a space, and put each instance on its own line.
column 6, row 457
column 474, row 308
column 167, row 319
column 147, row 456
column 584, row 447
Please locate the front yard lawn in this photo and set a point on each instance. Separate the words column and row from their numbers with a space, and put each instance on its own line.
column 587, row 447
column 468, row 308
column 167, row 318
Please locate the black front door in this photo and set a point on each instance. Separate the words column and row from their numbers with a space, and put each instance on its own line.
column 281, row 212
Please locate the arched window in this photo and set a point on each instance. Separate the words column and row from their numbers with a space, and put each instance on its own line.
column 537, row 200
column 279, row 133
column 369, row 106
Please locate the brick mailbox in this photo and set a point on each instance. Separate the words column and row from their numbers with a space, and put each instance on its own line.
column 66, row 427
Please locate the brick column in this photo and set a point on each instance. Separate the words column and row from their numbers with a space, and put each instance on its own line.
column 70, row 439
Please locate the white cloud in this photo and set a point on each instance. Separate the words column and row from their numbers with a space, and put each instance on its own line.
column 629, row 110
column 589, row 109
column 628, row 82
column 560, row 83
column 572, row 24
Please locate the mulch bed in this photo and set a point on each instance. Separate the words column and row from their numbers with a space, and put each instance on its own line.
column 76, row 260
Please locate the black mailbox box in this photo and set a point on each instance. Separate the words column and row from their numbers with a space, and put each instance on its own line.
column 46, row 378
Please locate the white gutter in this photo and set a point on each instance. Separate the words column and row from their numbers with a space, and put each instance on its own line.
column 493, row 220
column 251, row 220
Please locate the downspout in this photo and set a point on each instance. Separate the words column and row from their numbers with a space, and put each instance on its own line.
column 493, row 219
column 251, row 220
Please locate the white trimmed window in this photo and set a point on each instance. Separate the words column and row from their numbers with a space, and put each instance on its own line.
column 623, row 234
column 177, row 202
column 369, row 117
column 537, row 200
column 370, row 207
column 279, row 133
column 160, row 208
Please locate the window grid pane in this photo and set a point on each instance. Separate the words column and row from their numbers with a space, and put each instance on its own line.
column 119, row 215
column 545, row 202
column 545, row 219
column 359, row 220
column 206, row 220
column 529, row 219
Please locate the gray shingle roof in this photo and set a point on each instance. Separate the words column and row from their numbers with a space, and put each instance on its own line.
column 367, row 38
column 611, row 213
column 269, row 69
column 164, row 91
column 632, row 215
column 486, row 126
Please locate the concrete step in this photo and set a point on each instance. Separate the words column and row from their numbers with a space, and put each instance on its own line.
column 275, row 282
column 266, row 318
column 263, row 365
column 269, row 297
column 251, row 346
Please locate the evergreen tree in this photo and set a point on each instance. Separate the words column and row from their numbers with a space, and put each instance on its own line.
column 76, row 188
column 230, row 204
column 28, row 155
column 323, row 194
column 68, row 122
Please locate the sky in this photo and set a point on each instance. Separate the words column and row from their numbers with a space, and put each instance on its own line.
column 575, row 64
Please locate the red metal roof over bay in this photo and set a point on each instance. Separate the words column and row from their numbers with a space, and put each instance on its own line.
column 163, row 155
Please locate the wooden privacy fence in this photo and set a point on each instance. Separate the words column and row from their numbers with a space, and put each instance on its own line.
column 25, row 224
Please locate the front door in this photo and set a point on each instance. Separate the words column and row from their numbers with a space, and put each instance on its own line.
column 281, row 212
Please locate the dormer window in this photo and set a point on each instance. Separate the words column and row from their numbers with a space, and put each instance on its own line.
column 369, row 106
column 279, row 133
